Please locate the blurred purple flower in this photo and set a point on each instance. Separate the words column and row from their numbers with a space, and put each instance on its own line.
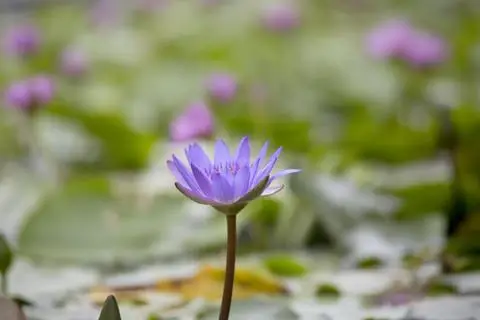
column 30, row 94
column 281, row 16
column 222, row 87
column 228, row 183
column 74, row 62
column 397, row 39
column 105, row 12
column 17, row 95
column 195, row 122
column 21, row 40
column 42, row 89
column 389, row 39
column 425, row 49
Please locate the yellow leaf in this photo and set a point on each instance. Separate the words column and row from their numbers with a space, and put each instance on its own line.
column 207, row 283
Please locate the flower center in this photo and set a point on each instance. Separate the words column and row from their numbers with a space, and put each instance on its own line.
column 229, row 168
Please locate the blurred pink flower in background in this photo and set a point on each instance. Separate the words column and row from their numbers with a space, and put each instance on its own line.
column 281, row 16
column 105, row 12
column 30, row 94
column 195, row 122
column 222, row 87
column 41, row 89
column 17, row 95
column 22, row 40
column 74, row 62
column 425, row 50
column 397, row 39
column 389, row 39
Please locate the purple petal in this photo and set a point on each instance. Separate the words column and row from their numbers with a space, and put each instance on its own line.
column 241, row 182
column 269, row 167
column 196, row 155
column 222, row 190
column 272, row 190
column 202, row 181
column 243, row 152
column 194, row 196
column 254, row 170
column 261, row 156
column 255, row 192
column 263, row 152
column 173, row 169
column 284, row 173
column 222, row 154
column 187, row 176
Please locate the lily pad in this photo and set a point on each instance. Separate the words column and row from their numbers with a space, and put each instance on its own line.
column 285, row 266
column 86, row 223
column 255, row 309
column 327, row 290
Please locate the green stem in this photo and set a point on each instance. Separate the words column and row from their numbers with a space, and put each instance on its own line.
column 229, row 268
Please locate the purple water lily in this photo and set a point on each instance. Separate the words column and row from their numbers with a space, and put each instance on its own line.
column 228, row 183
column 30, row 94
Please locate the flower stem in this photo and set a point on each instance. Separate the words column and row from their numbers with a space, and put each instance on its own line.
column 229, row 268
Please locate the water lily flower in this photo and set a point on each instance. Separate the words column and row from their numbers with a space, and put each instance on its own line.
column 105, row 13
column 41, row 89
column 22, row 40
column 425, row 49
column 397, row 39
column 222, row 87
column 195, row 122
column 30, row 94
column 389, row 39
column 281, row 17
column 229, row 182
column 17, row 95
column 73, row 62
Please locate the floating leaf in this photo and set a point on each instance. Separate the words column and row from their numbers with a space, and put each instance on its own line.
column 110, row 310
column 369, row 263
column 327, row 290
column 86, row 223
column 285, row 266
column 206, row 284
column 435, row 288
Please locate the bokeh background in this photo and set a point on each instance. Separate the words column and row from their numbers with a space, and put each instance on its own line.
column 376, row 101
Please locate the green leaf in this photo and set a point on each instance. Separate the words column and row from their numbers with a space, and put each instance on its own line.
column 122, row 147
column 285, row 266
column 327, row 290
column 110, row 310
column 84, row 222
column 368, row 263
column 422, row 199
